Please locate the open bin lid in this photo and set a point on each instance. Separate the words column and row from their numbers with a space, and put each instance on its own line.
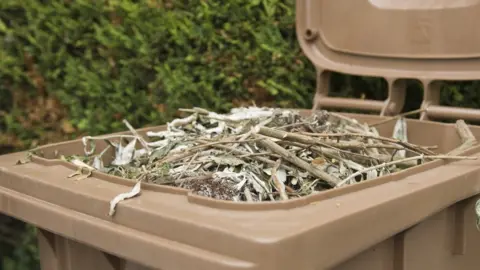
column 400, row 39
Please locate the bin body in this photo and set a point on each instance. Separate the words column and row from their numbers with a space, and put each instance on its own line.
column 447, row 240
column 419, row 217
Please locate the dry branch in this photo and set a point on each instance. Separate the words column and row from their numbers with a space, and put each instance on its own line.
column 299, row 162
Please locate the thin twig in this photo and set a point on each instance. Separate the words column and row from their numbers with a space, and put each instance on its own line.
column 283, row 135
column 195, row 110
column 135, row 133
column 260, row 154
column 397, row 117
column 279, row 185
column 451, row 157
column 299, row 162
column 363, row 135
column 333, row 153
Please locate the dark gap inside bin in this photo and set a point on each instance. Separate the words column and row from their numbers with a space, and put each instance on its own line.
column 461, row 94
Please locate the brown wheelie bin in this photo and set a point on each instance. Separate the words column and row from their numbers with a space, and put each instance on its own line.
column 420, row 218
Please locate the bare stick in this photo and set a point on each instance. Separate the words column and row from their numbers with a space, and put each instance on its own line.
column 195, row 110
column 299, row 162
column 363, row 135
column 108, row 137
column 448, row 157
column 336, row 154
column 283, row 135
column 279, row 185
column 259, row 154
column 397, row 117
column 360, row 145
column 222, row 142
column 468, row 139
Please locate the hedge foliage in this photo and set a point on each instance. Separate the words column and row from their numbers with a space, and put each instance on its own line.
column 69, row 68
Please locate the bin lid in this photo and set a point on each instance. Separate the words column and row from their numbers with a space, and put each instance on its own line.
column 436, row 39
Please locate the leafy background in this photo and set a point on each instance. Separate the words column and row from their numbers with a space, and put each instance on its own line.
column 70, row 68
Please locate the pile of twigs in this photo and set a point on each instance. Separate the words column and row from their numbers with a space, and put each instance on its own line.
column 258, row 154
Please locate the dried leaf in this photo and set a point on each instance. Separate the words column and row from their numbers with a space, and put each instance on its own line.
column 343, row 169
column 372, row 174
column 158, row 144
column 87, row 141
column 97, row 163
column 318, row 161
column 227, row 160
column 81, row 164
column 294, row 181
column 83, row 172
column 124, row 155
column 400, row 133
column 241, row 114
column 161, row 152
column 217, row 130
column 27, row 159
column 240, row 185
column 282, row 175
column 123, row 196
column 181, row 122
column 140, row 153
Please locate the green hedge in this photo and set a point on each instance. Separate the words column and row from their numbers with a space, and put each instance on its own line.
column 84, row 64
column 69, row 68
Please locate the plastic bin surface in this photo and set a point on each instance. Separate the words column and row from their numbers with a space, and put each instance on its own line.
column 420, row 218
column 430, row 41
